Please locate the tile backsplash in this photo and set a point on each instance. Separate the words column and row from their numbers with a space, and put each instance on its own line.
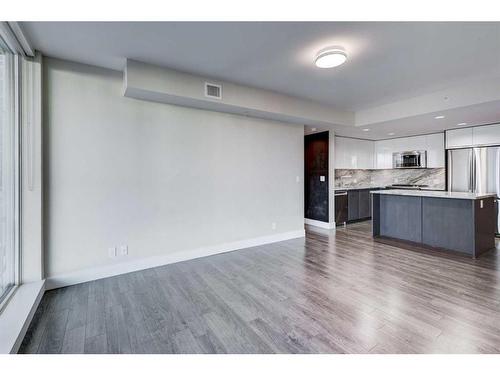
column 433, row 177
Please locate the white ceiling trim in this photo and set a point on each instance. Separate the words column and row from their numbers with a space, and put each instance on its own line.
column 154, row 83
column 466, row 94
column 461, row 103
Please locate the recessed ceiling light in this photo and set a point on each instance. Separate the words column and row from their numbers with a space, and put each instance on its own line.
column 313, row 129
column 330, row 57
column 391, row 134
column 462, row 123
column 439, row 117
column 366, row 130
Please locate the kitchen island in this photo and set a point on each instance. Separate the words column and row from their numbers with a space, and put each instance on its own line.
column 451, row 221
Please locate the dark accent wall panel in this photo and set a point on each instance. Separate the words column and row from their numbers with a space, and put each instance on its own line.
column 316, row 165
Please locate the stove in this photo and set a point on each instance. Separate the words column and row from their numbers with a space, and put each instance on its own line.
column 408, row 186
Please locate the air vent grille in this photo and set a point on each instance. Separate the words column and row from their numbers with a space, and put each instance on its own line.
column 213, row 91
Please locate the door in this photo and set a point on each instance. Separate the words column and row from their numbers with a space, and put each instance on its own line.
column 460, row 170
column 316, row 177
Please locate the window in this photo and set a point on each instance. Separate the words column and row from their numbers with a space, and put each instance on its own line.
column 9, row 206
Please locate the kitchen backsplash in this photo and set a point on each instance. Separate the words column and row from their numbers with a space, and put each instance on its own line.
column 433, row 177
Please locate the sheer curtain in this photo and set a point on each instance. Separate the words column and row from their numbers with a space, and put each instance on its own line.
column 8, row 175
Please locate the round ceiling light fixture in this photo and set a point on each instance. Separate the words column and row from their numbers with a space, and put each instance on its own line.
column 330, row 57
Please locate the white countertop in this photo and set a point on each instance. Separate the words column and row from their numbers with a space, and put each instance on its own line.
column 361, row 187
column 434, row 194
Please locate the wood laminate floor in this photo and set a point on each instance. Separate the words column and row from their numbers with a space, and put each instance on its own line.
column 336, row 292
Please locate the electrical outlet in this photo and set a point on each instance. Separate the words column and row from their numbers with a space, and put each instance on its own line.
column 123, row 250
column 273, row 226
column 112, row 252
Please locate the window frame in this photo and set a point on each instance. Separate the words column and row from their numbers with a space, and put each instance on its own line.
column 17, row 60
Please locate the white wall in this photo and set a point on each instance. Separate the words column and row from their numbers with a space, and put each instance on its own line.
column 162, row 179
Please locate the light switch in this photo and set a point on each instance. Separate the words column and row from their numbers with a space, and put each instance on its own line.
column 322, row 178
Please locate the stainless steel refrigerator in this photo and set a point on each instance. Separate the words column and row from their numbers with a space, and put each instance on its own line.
column 476, row 170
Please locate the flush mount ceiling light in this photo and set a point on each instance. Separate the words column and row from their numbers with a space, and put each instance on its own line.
column 439, row 117
column 330, row 57
column 462, row 123
column 366, row 130
column 391, row 133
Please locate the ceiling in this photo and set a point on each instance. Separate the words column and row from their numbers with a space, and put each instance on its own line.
column 479, row 114
column 387, row 61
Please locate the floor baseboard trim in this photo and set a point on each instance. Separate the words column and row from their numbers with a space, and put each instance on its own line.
column 320, row 224
column 102, row 272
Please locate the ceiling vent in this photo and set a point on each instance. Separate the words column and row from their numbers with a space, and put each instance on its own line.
column 213, row 91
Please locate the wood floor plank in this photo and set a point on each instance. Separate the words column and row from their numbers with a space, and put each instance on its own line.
column 54, row 333
column 96, row 344
column 95, row 324
column 118, row 341
column 74, row 341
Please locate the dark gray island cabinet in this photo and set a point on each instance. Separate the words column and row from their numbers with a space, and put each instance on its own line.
column 460, row 222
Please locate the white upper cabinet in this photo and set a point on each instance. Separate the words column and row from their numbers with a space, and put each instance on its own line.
column 435, row 150
column 486, row 135
column 459, row 138
column 383, row 153
column 365, row 154
column 353, row 153
column 433, row 144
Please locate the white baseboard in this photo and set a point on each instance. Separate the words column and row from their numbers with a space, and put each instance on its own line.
column 320, row 224
column 96, row 273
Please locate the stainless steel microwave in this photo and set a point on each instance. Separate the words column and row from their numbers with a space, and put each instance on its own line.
column 409, row 159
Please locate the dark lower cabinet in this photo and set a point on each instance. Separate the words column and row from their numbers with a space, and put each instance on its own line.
column 353, row 205
column 341, row 205
column 364, row 209
column 359, row 204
